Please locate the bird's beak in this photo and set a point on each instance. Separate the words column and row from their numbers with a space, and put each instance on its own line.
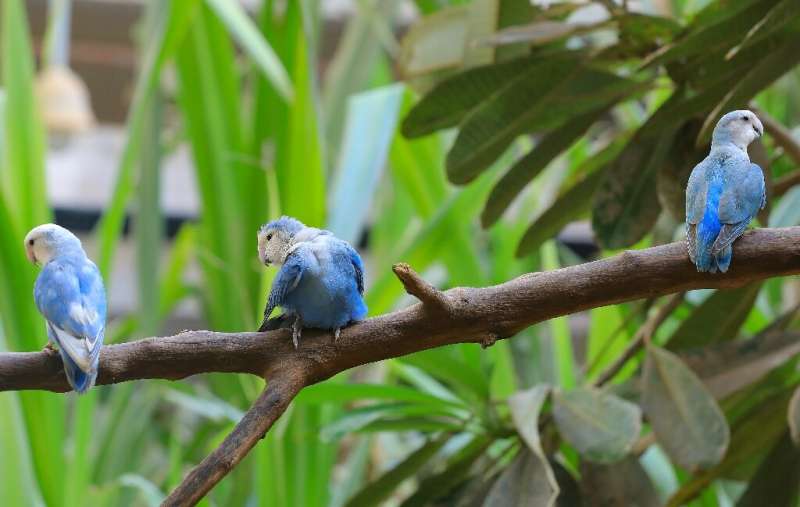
column 31, row 255
column 759, row 131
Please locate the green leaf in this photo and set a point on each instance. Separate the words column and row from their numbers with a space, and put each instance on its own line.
column 727, row 367
column 784, row 12
column 620, row 484
column 455, row 471
column 722, row 33
column 573, row 202
column 162, row 48
column 528, row 167
column 22, row 178
column 626, row 206
column 371, row 122
column 380, row 489
column 601, row 426
column 794, row 417
column 526, row 406
column 451, row 99
column 686, row 420
column 777, row 481
column 244, row 30
column 717, row 319
column 524, row 482
column 759, row 429
column 151, row 495
column 772, row 66
column 328, row 392
column 541, row 98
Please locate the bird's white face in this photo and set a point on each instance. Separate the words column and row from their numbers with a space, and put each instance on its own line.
column 273, row 246
column 43, row 241
column 740, row 127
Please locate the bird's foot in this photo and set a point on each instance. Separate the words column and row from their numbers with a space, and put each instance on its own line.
column 297, row 329
column 489, row 340
column 49, row 349
column 336, row 333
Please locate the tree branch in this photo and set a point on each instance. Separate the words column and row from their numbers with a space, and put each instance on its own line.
column 460, row 315
column 251, row 428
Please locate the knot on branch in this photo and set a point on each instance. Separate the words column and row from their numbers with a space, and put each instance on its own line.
column 432, row 299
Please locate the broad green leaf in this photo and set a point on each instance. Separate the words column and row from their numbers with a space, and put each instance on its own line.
column 541, row 98
column 381, row 488
column 244, row 30
column 686, row 420
column 528, row 167
column 371, row 122
column 759, row 76
column 619, row 484
column 794, row 417
column 626, row 205
column 721, row 34
column 525, row 482
column 781, row 14
column 727, row 367
column 453, row 98
column 717, row 319
column 601, row 426
column 574, row 202
column 526, row 406
column 777, row 481
column 755, row 432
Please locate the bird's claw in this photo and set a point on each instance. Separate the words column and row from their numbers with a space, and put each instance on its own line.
column 49, row 349
column 336, row 333
column 297, row 329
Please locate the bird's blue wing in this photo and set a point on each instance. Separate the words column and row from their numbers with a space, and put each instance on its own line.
column 696, row 192
column 288, row 277
column 744, row 195
column 358, row 266
column 70, row 295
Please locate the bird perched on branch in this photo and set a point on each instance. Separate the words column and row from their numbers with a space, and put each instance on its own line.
column 724, row 193
column 69, row 293
column 321, row 280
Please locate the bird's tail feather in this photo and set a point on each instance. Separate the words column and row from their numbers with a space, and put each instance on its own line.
column 706, row 234
column 80, row 380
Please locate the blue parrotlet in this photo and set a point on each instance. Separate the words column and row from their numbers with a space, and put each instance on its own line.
column 70, row 295
column 724, row 193
column 321, row 279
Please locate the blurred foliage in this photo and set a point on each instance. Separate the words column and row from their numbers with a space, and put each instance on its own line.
column 521, row 117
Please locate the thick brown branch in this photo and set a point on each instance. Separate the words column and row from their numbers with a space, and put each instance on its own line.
column 280, row 391
column 500, row 311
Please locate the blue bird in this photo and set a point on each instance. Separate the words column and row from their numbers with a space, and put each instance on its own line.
column 724, row 193
column 69, row 293
column 321, row 280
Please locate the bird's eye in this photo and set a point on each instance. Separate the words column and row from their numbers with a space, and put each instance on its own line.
column 269, row 237
column 745, row 119
column 30, row 242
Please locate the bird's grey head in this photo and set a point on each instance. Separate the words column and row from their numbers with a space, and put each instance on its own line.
column 276, row 238
column 46, row 241
column 739, row 128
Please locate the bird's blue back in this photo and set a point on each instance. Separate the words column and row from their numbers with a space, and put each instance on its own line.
column 329, row 292
column 69, row 293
